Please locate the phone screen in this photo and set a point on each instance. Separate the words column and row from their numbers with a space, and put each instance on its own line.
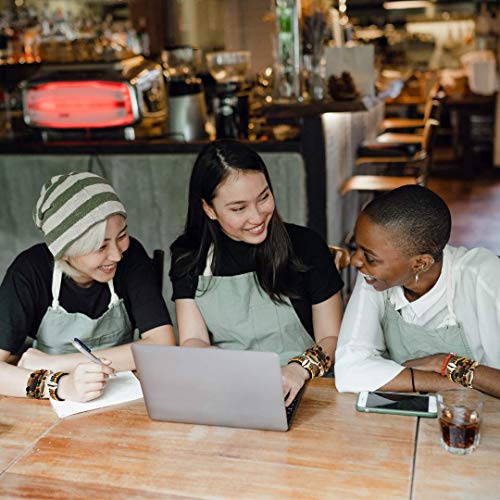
column 402, row 402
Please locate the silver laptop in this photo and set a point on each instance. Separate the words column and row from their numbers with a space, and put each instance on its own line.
column 213, row 387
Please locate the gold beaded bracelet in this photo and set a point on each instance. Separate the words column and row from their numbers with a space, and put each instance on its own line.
column 35, row 388
column 316, row 353
column 460, row 370
column 314, row 360
column 306, row 363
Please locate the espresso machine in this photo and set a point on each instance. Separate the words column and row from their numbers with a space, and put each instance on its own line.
column 229, row 69
column 187, row 108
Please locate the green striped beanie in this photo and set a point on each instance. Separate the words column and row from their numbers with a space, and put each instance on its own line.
column 70, row 204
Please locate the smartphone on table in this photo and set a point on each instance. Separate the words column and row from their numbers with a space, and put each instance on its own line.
column 397, row 403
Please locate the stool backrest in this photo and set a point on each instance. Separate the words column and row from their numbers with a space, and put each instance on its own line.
column 435, row 91
column 432, row 109
column 429, row 135
column 341, row 256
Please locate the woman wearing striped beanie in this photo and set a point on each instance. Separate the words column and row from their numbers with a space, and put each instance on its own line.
column 89, row 280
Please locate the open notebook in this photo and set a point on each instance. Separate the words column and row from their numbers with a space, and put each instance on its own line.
column 121, row 388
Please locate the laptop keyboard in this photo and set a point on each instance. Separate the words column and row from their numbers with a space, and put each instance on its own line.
column 290, row 410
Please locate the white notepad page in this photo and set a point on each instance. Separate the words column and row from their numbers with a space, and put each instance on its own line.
column 121, row 388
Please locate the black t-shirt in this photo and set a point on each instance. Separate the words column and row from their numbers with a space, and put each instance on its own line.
column 25, row 294
column 318, row 283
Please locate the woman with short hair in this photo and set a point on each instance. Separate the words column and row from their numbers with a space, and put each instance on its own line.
column 424, row 315
column 89, row 280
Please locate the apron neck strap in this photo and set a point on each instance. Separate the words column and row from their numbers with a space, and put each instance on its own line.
column 56, row 288
column 114, row 298
column 450, row 291
column 208, row 263
column 56, row 285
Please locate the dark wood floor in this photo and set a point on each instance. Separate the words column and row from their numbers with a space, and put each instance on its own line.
column 475, row 209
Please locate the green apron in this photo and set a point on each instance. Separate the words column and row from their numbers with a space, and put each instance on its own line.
column 58, row 327
column 406, row 341
column 239, row 315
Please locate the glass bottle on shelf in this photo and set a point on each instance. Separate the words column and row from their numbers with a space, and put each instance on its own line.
column 315, row 31
column 288, row 60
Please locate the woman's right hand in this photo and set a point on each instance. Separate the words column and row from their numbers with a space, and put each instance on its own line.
column 293, row 377
column 86, row 382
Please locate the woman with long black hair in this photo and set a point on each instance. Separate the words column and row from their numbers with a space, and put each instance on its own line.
column 243, row 279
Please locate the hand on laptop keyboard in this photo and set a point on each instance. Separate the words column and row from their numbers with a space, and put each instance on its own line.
column 290, row 410
column 293, row 377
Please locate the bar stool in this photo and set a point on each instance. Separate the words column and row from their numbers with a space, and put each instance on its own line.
column 341, row 256
column 385, row 161
column 414, row 137
column 436, row 93
column 418, row 165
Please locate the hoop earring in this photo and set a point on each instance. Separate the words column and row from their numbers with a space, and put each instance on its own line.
column 416, row 279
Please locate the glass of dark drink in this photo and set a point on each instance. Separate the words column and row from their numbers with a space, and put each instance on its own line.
column 460, row 419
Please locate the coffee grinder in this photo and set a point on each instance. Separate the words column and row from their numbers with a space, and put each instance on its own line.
column 187, row 109
column 229, row 69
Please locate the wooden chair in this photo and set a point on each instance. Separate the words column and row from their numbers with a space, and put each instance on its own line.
column 341, row 256
column 418, row 163
column 378, row 183
column 435, row 94
column 417, row 136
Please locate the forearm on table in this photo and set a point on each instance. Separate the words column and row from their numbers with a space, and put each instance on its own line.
column 425, row 381
column 13, row 380
column 487, row 380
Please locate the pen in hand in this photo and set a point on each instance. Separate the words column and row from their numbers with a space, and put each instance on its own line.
column 78, row 344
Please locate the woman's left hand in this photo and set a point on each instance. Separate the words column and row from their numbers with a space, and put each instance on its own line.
column 293, row 377
column 432, row 363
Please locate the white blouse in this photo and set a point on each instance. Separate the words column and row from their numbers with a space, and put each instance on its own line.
column 359, row 364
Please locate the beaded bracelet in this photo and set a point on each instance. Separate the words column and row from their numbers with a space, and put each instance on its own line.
column 53, row 384
column 314, row 360
column 317, row 355
column 35, row 388
column 470, row 375
column 460, row 370
column 306, row 363
column 445, row 364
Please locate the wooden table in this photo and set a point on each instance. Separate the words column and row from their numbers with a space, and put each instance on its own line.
column 332, row 451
